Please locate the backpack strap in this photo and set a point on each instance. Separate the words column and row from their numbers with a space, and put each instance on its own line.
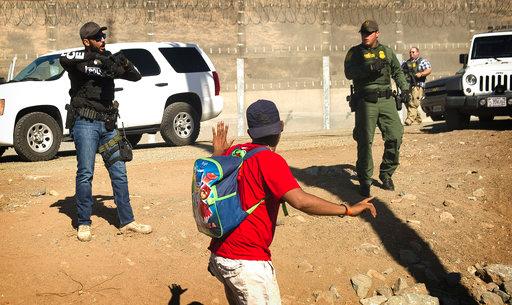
column 254, row 151
column 249, row 154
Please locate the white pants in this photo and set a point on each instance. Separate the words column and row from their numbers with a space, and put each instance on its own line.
column 246, row 282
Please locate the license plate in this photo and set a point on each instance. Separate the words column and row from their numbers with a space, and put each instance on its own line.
column 437, row 108
column 496, row 101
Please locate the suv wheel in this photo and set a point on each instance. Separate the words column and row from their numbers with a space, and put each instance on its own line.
column 456, row 120
column 2, row 150
column 180, row 124
column 134, row 139
column 37, row 137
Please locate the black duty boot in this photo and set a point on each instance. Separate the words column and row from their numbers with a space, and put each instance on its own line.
column 364, row 189
column 387, row 184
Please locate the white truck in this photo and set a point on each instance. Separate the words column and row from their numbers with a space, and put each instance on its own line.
column 482, row 88
column 179, row 89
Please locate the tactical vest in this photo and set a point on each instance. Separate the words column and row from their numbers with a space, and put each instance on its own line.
column 414, row 66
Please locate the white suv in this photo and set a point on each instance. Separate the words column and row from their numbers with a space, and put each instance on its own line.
column 179, row 88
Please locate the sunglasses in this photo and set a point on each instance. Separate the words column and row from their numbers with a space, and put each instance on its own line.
column 98, row 37
column 365, row 33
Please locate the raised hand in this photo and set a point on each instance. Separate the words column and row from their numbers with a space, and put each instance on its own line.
column 176, row 289
column 219, row 139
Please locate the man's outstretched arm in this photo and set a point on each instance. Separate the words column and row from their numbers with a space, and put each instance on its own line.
column 311, row 204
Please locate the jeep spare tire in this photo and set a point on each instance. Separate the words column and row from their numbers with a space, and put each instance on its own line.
column 37, row 137
column 180, row 124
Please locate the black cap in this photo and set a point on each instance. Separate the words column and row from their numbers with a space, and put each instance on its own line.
column 263, row 119
column 369, row 26
column 90, row 29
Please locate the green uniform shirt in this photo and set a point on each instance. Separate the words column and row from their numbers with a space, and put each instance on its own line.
column 357, row 68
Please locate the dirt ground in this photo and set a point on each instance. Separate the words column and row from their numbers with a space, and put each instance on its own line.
column 465, row 173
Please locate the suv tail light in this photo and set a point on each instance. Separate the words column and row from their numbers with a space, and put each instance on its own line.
column 217, row 82
column 2, row 106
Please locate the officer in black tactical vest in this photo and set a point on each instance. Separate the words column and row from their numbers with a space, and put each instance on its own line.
column 371, row 65
column 91, row 118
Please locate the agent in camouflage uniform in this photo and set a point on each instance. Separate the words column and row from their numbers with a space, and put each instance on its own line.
column 416, row 70
column 371, row 65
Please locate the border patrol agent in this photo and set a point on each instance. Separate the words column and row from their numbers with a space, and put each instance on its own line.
column 91, row 118
column 371, row 65
column 416, row 70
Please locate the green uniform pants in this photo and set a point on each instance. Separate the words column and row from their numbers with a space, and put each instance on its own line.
column 383, row 114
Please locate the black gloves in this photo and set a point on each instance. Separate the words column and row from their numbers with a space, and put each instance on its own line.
column 113, row 65
column 120, row 59
column 405, row 96
column 378, row 64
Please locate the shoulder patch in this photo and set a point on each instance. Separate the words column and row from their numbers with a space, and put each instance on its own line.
column 382, row 54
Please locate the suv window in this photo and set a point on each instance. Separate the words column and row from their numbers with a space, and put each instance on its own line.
column 185, row 60
column 143, row 61
column 43, row 68
column 492, row 47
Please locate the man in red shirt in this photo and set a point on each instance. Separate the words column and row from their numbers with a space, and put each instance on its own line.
column 242, row 260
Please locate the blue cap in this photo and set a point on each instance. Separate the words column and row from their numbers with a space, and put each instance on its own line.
column 263, row 119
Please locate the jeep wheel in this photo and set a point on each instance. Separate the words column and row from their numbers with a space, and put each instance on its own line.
column 2, row 150
column 37, row 137
column 134, row 139
column 485, row 118
column 180, row 124
column 456, row 120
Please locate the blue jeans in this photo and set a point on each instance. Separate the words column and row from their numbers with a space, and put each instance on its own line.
column 88, row 135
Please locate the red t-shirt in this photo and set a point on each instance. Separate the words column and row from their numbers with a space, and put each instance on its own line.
column 264, row 175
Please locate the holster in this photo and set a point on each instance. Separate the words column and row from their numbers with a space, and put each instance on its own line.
column 117, row 143
column 111, row 118
column 70, row 116
column 398, row 101
column 110, row 122
column 353, row 101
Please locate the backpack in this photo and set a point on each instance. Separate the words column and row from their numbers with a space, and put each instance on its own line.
column 215, row 199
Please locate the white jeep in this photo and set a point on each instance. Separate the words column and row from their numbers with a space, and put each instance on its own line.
column 179, row 88
column 483, row 88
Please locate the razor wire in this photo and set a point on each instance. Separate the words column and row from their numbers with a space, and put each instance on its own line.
column 422, row 13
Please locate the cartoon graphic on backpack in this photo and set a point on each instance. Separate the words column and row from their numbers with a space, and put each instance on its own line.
column 215, row 199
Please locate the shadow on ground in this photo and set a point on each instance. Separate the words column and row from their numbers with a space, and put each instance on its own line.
column 176, row 292
column 67, row 206
column 497, row 125
column 206, row 146
column 396, row 236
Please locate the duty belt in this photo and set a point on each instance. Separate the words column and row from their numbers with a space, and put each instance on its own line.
column 379, row 93
column 92, row 114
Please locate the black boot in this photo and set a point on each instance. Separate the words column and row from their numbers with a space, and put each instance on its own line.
column 387, row 184
column 364, row 189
